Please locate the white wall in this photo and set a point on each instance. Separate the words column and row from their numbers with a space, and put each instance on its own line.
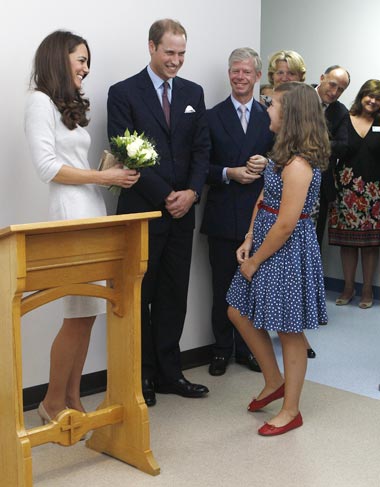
column 324, row 32
column 117, row 33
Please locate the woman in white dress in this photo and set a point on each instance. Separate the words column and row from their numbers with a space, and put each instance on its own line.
column 55, row 118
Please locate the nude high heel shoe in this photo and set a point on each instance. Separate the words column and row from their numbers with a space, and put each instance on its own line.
column 343, row 301
column 366, row 304
column 43, row 414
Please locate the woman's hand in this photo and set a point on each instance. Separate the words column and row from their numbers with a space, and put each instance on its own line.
column 243, row 251
column 118, row 176
column 248, row 268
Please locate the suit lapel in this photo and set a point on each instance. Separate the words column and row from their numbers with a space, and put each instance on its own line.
column 178, row 103
column 150, row 98
column 256, row 118
column 230, row 120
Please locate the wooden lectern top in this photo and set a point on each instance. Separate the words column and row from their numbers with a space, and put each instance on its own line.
column 69, row 225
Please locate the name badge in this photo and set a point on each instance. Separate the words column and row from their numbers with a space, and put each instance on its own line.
column 376, row 129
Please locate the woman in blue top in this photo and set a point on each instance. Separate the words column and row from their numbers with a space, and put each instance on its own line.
column 279, row 285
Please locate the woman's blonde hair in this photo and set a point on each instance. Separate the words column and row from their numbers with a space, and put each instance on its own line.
column 303, row 131
column 295, row 62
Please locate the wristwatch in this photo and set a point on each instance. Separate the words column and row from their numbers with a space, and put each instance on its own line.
column 196, row 196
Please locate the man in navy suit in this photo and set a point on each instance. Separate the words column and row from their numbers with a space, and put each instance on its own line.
column 332, row 84
column 240, row 137
column 170, row 111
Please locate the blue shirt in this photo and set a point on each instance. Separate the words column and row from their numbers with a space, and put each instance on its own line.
column 248, row 106
column 158, row 84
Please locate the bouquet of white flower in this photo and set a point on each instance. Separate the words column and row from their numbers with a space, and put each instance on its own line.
column 134, row 151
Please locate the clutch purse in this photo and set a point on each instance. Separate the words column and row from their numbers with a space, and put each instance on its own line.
column 107, row 160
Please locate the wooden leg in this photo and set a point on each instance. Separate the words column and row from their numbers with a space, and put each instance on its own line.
column 128, row 441
column 15, row 453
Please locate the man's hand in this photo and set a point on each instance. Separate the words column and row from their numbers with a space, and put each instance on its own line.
column 241, row 175
column 178, row 203
column 256, row 164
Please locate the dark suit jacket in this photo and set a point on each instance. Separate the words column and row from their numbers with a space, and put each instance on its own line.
column 183, row 149
column 337, row 122
column 229, row 207
column 336, row 115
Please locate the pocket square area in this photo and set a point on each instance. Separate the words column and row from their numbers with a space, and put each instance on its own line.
column 189, row 109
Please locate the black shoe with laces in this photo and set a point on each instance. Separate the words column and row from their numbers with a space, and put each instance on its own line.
column 218, row 365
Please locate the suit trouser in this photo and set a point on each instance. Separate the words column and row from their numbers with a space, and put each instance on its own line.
column 222, row 255
column 164, row 301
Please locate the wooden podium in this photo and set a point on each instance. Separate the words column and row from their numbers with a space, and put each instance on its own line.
column 55, row 259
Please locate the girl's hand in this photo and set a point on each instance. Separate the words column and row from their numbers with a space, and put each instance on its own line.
column 248, row 269
column 243, row 251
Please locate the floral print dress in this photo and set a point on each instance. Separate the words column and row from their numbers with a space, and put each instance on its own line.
column 355, row 217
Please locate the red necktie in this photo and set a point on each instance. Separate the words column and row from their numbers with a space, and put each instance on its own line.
column 165, row 102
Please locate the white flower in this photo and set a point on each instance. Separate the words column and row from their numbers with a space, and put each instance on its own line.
column 147, row 154
column 134, row 147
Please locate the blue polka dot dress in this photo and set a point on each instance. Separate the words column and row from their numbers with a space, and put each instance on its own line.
column 287, row 292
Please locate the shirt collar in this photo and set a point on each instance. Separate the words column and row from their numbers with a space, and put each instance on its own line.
column 324, row 105
column 237, row 103
column 156, row 80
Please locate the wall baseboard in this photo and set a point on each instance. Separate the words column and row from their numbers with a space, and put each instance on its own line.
column 97, row 381
column 336, row 285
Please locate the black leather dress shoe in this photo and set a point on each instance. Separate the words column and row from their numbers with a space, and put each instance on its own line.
column 311, row 353
column 218, row 365
column 183, row 387
column 249, row 361
column 148, row 392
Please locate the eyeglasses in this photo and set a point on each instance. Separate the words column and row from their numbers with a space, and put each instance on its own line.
column 266, row 99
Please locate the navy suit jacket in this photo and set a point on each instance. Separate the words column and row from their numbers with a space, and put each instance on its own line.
column 183, row 148
column 229, row 207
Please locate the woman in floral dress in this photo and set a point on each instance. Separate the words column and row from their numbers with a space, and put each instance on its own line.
column 355, row 219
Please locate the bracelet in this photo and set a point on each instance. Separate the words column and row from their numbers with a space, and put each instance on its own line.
column 248, row 234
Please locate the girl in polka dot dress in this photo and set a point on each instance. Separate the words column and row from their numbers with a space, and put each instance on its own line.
column 279, row 284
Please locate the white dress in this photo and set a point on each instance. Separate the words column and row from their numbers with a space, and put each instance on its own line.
column 53, row 145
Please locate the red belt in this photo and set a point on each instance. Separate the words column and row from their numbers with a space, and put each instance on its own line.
column 273, row 210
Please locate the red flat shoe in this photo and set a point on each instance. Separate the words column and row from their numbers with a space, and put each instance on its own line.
column 271, row 430
column 257, row 404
